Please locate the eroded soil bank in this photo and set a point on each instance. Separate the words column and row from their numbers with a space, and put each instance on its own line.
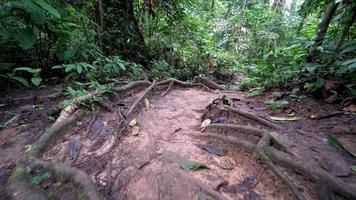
column 146, row 161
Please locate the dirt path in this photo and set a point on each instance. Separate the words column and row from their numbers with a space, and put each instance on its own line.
column 147, row 165
column 147, row 159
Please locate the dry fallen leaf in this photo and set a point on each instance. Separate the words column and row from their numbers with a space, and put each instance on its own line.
column 147, row 104
column 135, row 130
column 284, row 118
column 205, row 123
column 133, row 122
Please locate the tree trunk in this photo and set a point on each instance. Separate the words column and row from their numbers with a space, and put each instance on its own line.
column 346, row 29
column 102, row 23
column 322, row 30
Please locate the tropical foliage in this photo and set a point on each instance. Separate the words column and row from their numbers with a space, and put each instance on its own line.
column 270, row 42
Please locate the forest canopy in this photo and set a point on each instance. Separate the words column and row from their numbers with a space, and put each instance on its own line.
column 269, row 42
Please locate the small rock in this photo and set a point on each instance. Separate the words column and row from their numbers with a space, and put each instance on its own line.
column 224, row 163
column 213, row 149
column 251, row 195
column 135, row 130
column 336, row 166
column 159, row 151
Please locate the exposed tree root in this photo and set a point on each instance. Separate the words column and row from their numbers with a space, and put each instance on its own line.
column 70, row 173
column 131, row 86
column 197, row 81
column 208, row 83
column 139, row 100
column 252, row 116
column 272, row 156
column 18, row 185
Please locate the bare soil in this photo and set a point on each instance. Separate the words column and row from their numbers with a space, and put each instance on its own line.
column 145, row 160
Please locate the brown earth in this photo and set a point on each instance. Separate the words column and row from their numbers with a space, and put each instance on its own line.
column 145, row 162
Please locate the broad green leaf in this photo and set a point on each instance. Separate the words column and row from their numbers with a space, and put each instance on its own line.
column 58, row 67
column 122, row 66
column 349, row 49
column 36, row 81
column 26, row 38
column 48, row 8
column 38, row 179
column 28, row 69
column 277, row 94
column 311, row 67
column 21, row 80
column 349, row 61
column 193, row 165
column 68, row 54
column 79, row 68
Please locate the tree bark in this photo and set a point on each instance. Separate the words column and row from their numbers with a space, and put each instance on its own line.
column 102, row 23
column 322, row 30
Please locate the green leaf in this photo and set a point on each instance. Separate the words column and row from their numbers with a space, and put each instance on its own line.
column 349, row 61
column 58, row 67
column 192, row 165
column 122, row 66
column 353, row 168
column 79, row 68
column 68, row 54
column 38, row 179
column 349, row 49
column 48, row 8
column 319, row 83
column 277, row 94
column 21, row 80
column 26, row 38
column 36, row 81
column 334, row 142
column 311, row 67
column 28, row 69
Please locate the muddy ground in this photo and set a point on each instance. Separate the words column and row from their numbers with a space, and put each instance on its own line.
column 146, row 161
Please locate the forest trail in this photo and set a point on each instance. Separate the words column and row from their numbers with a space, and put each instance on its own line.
column 153, row 157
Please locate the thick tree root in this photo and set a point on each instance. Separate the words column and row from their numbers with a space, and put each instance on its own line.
column 272, row 156
column 197, row 81
column 251, row 116
column 208, row 83
column 140, row 99
column 18, row 186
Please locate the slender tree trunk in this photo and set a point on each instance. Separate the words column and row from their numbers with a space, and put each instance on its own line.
column 102, row 22
column 346, row 29
column 322, row 30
